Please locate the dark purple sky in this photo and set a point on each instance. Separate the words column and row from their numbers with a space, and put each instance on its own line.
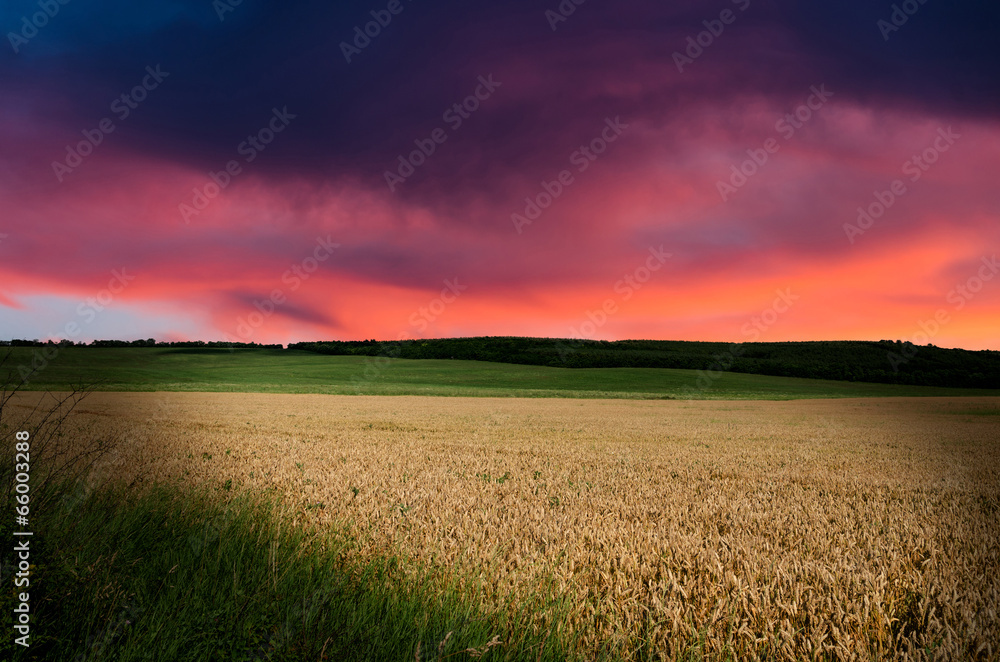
column 604, row 175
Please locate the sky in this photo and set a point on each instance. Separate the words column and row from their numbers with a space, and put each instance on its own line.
column 733, row 170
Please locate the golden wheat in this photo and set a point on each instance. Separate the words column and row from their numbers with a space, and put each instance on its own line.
column 854, row 529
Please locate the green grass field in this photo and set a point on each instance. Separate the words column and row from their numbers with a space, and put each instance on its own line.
column 191, row 576
column 286, row 371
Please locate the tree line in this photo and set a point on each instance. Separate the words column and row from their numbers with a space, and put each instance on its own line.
column 884, row 361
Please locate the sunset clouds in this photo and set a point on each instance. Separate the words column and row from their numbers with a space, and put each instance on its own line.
column 256, row 143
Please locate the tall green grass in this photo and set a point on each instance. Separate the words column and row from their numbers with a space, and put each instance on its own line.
column 172, row 575
column 166, row 574
column 203, row 573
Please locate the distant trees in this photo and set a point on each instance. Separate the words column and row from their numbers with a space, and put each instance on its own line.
column 838, row 360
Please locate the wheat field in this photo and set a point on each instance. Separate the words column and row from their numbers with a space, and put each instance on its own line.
column 814, row 529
